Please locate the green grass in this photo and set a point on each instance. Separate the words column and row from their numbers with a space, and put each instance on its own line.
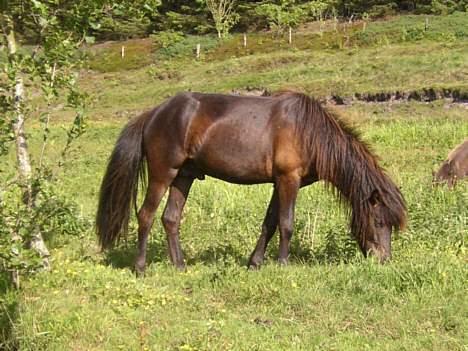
column 87, row 306
column 329, row 297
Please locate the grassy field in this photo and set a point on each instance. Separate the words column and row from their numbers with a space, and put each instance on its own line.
column 329, row 297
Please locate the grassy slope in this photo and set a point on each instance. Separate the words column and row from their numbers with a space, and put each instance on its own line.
column 377, row 60
column 329, row 298
column 322, row 73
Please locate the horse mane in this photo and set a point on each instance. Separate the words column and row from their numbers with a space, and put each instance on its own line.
column 341, row 158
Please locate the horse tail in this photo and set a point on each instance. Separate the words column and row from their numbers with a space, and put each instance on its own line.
column 119, row 186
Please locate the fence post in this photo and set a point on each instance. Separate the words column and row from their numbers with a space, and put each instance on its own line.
column 290, row 35
column 245, row 40
column 198, row 51
column 122, row 52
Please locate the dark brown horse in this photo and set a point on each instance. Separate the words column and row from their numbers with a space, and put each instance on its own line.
column 287, row 139
column 455, row 167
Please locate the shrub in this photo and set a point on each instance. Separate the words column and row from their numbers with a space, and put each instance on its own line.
column 167, row 38
column 53, row 215
column 183, row 46
column 380, row 11
column 445, row 7
column 413, row 33
column 122, row 28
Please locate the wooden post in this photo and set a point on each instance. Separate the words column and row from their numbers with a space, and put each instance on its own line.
column 198, row 51
column 426, row 24
column 290, row 35
column 245, row 40
column 122, row 52
column 364, row 26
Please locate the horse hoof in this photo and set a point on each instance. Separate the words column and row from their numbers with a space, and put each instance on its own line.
column 283, row 261
column 139, row 272
column 254, row 264
column 181, row 267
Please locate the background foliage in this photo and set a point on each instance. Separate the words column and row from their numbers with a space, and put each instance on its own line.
column 122, row 19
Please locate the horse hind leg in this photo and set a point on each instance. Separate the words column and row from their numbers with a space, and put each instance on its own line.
column 172, row 216
column 270, row 223
column 154, row 194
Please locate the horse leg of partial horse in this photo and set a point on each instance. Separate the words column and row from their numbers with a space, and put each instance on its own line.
column 173, row 214
column 153, row 197
column 288, row 187
column 268, row 230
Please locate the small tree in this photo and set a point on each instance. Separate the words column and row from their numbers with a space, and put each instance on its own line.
column 316, row 9
column 283, row 15
column 49, row 69
column 223, row 14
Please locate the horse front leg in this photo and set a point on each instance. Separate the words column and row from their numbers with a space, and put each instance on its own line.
column 268, row 230
column 288, row 187
column 172, row 216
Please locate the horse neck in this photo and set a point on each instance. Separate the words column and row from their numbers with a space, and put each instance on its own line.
column 345, row 162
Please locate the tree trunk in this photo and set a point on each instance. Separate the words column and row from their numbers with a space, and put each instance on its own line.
column 22, row 153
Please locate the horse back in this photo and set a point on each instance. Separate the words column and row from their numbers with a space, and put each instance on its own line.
column 455, row 166
column 234, row 138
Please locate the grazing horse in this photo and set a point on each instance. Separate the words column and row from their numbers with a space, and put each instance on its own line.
column 287, row 139
column 455, row 167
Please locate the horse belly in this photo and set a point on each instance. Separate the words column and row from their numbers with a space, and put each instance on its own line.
column 237, row 154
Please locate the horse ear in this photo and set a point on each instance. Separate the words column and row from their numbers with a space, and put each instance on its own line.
column 375, row 199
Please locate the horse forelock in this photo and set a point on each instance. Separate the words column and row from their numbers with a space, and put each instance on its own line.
column 341, row 158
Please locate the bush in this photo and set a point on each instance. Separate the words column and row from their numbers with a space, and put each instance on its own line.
column 380, row 11
column 167, row 38
column 185, row 46
column 122, row 28
column 445, row 7
column 191, row 22
column 413, row 33
column 53, row 215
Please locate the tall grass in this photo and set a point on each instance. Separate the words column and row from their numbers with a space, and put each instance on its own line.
column 328, row 298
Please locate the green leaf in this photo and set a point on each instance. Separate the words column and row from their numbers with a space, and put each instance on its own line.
column 90, row 39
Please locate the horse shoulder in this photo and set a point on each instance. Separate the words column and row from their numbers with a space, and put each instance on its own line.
column 287, row 152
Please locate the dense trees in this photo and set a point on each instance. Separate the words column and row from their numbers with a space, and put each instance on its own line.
column 120, row 19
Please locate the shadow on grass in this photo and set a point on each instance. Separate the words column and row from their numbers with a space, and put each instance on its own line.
column 335, row 248
column 224, row 253
column 123, row 256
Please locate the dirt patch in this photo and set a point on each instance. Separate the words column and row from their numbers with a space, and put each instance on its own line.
column 453, row 96
column 456, row 95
